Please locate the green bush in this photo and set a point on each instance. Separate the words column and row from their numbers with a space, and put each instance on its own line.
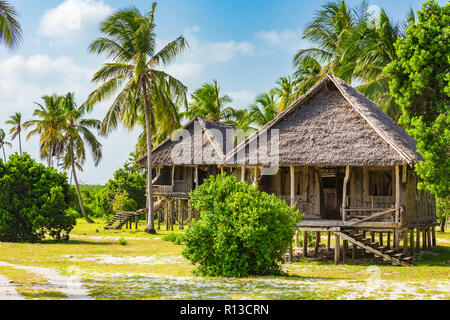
column 241, row 230
column 177, row 238
column 122, row 202
column 34, row 201
column 122, row 242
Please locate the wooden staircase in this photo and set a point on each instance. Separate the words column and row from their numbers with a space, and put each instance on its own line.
column 119, row 220
column 392, row 255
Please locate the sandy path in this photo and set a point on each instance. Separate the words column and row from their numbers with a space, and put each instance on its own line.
column 8, row 290
column 69, row 285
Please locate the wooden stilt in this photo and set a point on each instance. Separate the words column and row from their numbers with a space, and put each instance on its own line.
column 433, row 234
column 329, row 242
column 381, row 238
column 417, row 240
column 292, row 185
column 337, row 240
column 296, row 238
column 397, row 206
column 317, row 244
column 344, row 251
column 354, row 252
column 411, row 241
column 405, row 241
column 396, row 239
column 424, row 238
column 429, row 237
column 388, row 241
column 372, row 235
column 305, row 244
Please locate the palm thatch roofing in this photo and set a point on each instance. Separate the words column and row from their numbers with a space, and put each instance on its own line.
column 204, row 144
column 332, row 125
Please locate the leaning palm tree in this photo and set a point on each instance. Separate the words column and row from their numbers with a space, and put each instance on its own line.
column 10, row 30
column 3, row 143
column 76, row 133
column 265, row 109
column 48, row 125
column 130, row 41
column 207, row 102
column 16, row 122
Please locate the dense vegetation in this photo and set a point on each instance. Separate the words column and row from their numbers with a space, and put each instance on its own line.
column 242, row 231
column 34, row 201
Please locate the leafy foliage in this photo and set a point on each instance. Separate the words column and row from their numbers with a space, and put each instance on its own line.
column 122, row 202
column 34, row 201
column 421, row 86
column 242, row 231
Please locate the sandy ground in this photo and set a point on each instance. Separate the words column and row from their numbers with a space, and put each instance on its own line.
column 8, row 290
column 69, row 285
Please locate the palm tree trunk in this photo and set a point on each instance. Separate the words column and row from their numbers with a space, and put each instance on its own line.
column 79, row 194
column 20, row 144
column 443, row 221
column 150, row 217
column 4, row 154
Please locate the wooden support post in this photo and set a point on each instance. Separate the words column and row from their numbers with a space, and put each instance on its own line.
column 337, row 247
column 136, row 222
column 344, row 251
column 173, row 175
column 329, row 242
column 292, row 185
column 372, row 236
column 296, row 238
column 381, row 238
column 305, row 244
column 429, row 237
column 417, row 240
column 243, row 174
column 388, row 241
column 354, row 252
column 405, row 168
column 317, row 244
column 411, row 241
column 397, row 206
column 405, row 241
column 424, row 238
column 433, row 234
column 255, row 177
column 196, row 176
column 344, row 194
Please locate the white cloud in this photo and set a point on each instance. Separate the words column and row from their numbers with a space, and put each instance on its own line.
column 287, row 40
column 242, row 98
column 73, row 17
column 202, row 54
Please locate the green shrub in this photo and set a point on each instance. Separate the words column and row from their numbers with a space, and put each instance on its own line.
column 241, row 230
column 177, row 238
column 34, row 201
column 122, row 242
column 122, row 202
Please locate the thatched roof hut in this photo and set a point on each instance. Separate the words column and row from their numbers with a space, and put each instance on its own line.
column 210, row 135
column 335, row 125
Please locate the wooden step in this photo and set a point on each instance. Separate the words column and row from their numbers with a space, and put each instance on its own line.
column 382, row 248
column 398, row 255
column 408, row 259
column 373, row 244
column 391, row 251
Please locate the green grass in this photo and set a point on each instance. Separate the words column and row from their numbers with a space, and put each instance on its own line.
column 148, row 267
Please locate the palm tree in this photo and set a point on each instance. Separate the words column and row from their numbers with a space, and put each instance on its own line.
column 265, row 109
column 16, row 121
column 130, row 41
column 71, row 150
column 208, row 103
column 285, row 92
column 241, row 119
column 10, row 30
column 51, row 120
column 3, row 143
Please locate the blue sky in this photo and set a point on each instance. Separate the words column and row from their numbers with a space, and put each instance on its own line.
column 246, row 45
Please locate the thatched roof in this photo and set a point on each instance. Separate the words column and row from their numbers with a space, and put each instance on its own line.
column 205, row 135
column 334, row 125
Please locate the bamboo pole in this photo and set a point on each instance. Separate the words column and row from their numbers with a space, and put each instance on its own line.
column 417, row 240
column 317, row 244
column 337, row 248
column 292, row 185
column 397, row 206
column 243, row 174
column 344, row 194
column 305, row 244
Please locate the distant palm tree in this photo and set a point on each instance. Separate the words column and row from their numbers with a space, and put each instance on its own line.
column 130, row 41
column 16, row 121
column 76, row 133
column 51, row 120
column 3, row 143
column 207, row 102
column 10, row 30
column 241, row 120
column 265, row 109
column 285, row 92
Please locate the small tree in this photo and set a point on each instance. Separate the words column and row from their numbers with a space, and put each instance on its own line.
column 34, row 201
column 443, row 211
column 242, row 231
